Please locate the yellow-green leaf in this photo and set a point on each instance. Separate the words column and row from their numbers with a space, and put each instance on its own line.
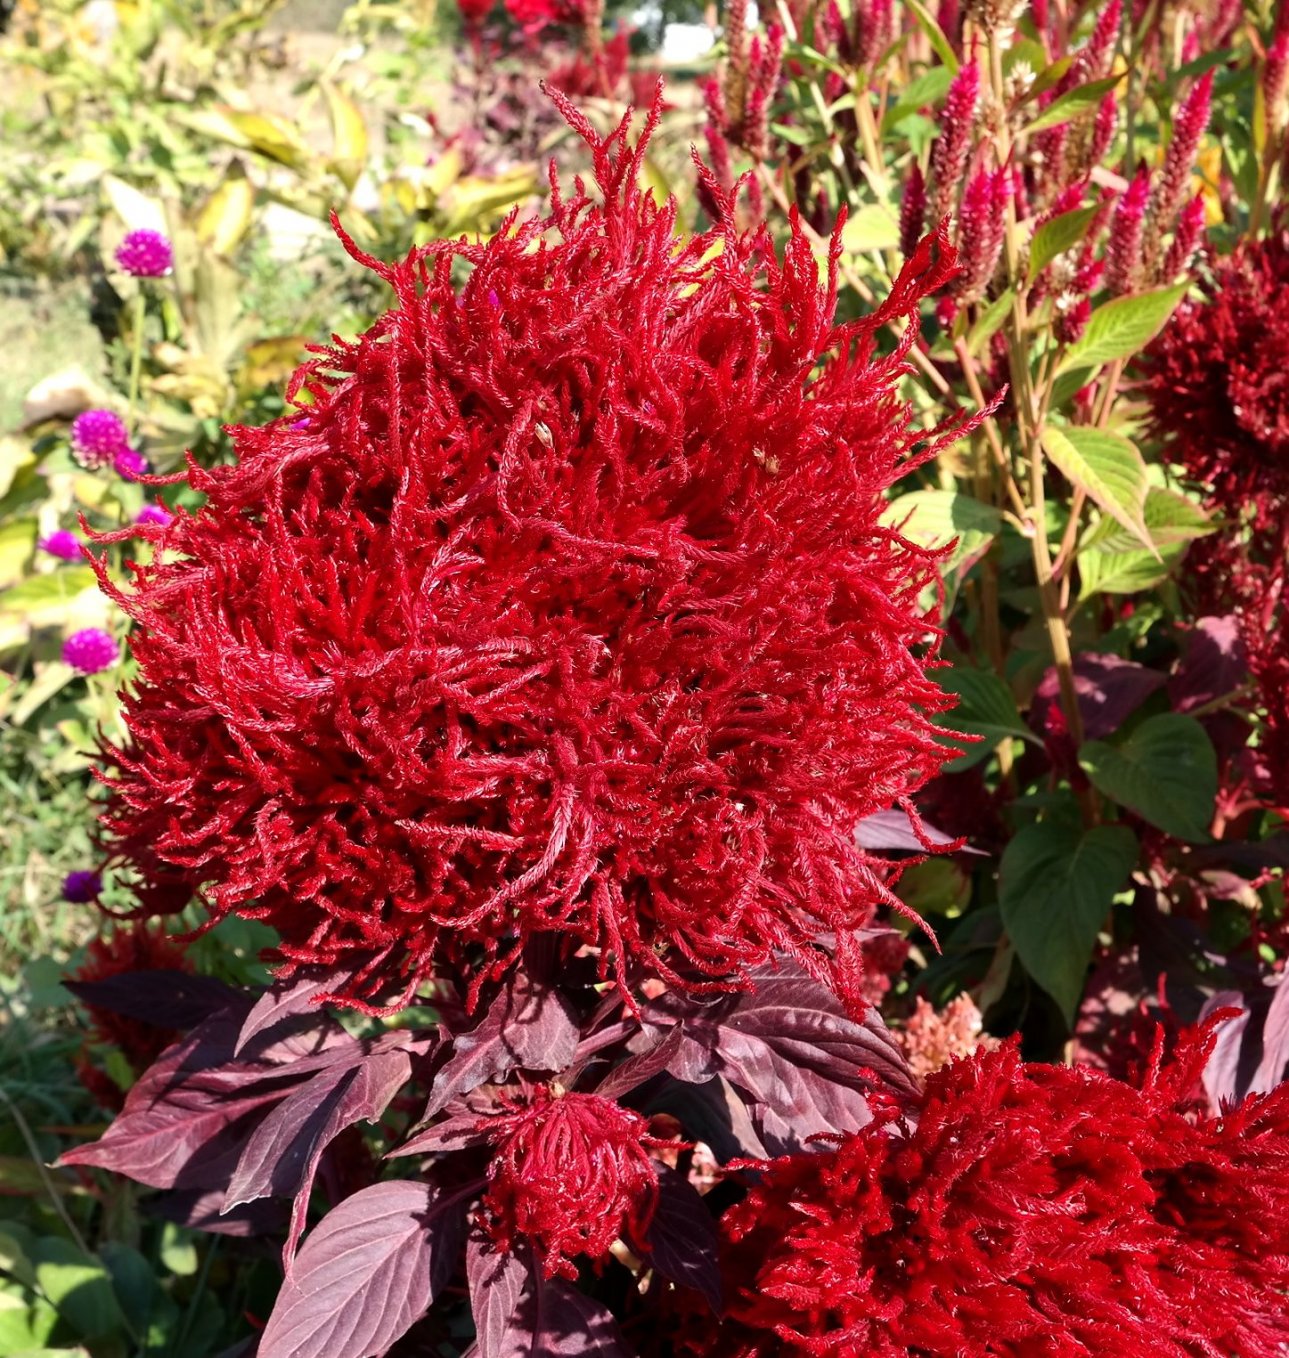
column 1107, row 468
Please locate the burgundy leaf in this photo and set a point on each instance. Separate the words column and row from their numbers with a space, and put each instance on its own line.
column 496, row 1283
column 635, row 1070
column 790, row 1046
column 285, row 1003
column 1109, row 691
column 682, row 1237
column 188, row 1111
column 528, row 1027
column 892, row 832
column 282, row 1154
column 1275, row 1041
column 163, row 997
column 1212, row 666
column 1251, row 1054
column 201, row 1210
column 454, row 1133
column 367, row 1272
column 1229, row 1070
column 521, row 1314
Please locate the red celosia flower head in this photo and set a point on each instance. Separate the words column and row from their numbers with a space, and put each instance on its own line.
column 1030, row 1210
column 138, row 947
column 570, row 1175
column 1218, row 384
column 570, row 608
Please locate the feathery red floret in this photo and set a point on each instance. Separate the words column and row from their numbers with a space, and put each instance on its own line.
column 570, row 608
column 570, row 1174
column 1031, row 1210
column 1218, row 385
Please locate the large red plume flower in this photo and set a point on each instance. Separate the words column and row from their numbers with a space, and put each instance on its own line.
column 567, row 605
column 1030, row 1210
column 570, row 1175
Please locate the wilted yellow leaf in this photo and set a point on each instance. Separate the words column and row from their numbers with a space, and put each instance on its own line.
column 226, row 218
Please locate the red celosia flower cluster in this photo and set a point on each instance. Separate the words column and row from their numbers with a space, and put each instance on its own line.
column 1030, row 1210
column 570, row 607
column 570, row 1174
column 138, row 947
column 1218, row 385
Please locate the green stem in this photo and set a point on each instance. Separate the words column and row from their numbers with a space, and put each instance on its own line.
column 136, row 357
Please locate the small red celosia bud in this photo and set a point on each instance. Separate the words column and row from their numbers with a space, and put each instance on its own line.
column 982, row 223
column 570, row 1175
column 1188, row 127
column 572, row 608
column 1186, row 239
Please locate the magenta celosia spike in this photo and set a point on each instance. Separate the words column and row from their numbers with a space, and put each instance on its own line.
column 957, row 126
column 1123, row 250
column 1103, row 129
column 949, row 17
column 874, row 28
column 982, row 222
column 1275, row 72
column 1096, row 58
column 912, row 211
column 1190, row 230
column 736, row 58
column 1188, row 127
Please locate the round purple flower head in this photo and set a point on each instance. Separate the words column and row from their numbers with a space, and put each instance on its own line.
column 154, row 515
column 130, row 464
column 82, row 886
column 62, row 543
column 90, row 650
column 97, row 437
column 145, row 254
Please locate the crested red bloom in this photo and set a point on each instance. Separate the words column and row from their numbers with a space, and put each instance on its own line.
column 570, row 608
column 570, row 1174
column 1030, row 1210
column 1218, row 385
column 137, row 947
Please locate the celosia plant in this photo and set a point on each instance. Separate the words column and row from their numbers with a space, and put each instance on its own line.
column 570, row 608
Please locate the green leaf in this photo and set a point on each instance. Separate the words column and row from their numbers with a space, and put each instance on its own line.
column 935, row 34
column 989, row 322
column 986, row 708
column 1108, row 468
column 1122, row 327
column 1111, row 562
column 872, row 227
column 923, row 91
column 1056, row 885
column 1056, row 237
column 79, row 1288
column 1073, row 104
column 936, row 517
column 1166, row 771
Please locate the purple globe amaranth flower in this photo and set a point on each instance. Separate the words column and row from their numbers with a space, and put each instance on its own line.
column 91, row 650
column 82, row 886
column 97, row 437
column 62, row 543
column 153, row 515
column 130, row 464
column 145, row 254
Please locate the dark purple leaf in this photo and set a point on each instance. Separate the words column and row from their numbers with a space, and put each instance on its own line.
column 161, row 997
column 1109, row 691
column 281, row 1157
column 892, row 832
column 1213, row 665
column 635, row 1070
column 521, row 1314
column 199, row 1209
column 527, row 1027
column 790, row 1046
column 711, row 1112
column 1274, row 1065
column 187, row 1117
column 367, row 1272
column 286, row 1002
column 1251, row 1054
column 682, row 1237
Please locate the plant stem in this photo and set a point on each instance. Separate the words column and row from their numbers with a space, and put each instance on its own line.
column 136, row 357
